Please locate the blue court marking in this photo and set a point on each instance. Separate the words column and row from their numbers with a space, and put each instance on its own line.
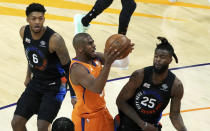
column 7, row 106
column 125, row 77
column 177, row 68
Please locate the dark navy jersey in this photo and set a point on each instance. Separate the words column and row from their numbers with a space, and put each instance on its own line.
column 150, row 100
column 43, row 64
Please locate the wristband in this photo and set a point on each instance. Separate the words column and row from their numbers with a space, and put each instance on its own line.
column 73, row 96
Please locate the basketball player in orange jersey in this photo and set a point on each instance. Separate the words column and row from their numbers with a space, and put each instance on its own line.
column 88, row 79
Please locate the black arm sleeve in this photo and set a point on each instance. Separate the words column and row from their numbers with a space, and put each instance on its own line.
column 66, row 69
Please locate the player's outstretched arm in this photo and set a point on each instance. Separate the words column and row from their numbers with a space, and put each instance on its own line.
column 175, row 116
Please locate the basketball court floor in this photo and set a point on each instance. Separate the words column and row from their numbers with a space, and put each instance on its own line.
column 184, row 23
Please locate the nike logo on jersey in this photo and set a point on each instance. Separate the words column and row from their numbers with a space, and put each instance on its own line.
column 53, row 83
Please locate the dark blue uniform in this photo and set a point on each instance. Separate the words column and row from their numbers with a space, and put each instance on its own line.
column 149, row 101
column 39, row 96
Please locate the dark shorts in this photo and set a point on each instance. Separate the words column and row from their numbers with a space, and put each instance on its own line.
column 126, row 124
column 39, row 98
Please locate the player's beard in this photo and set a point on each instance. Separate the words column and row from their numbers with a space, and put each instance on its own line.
column 161, row 70
column 90, row 56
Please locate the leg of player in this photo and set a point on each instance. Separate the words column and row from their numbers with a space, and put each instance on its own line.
column 48, row 110
column 18, row 123
column 43, row 125
column 81, row 22
column 128, row 7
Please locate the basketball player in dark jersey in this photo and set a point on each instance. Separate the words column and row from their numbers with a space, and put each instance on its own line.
column 128, row 7
column 48, row 67
column 148, row 92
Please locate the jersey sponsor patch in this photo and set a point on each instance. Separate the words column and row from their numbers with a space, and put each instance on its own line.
column 42, row 44
column 164, row 87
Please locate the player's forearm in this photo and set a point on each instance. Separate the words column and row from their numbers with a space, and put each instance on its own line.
column 28, row 73
column 177, row 122
column 100, row 81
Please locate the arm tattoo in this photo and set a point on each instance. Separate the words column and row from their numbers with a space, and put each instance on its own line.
column 135, row 78
column 61, row 50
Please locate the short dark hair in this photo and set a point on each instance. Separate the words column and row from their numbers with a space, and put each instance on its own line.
column 79, row 39
column 63, row 124
column 35, row 7
column 165, row 45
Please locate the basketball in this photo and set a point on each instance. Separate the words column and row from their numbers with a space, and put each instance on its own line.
column 118, row 41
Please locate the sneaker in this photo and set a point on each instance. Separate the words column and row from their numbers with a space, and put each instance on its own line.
column 79, row 28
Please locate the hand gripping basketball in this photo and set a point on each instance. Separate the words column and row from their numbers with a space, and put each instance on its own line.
column 121, row 43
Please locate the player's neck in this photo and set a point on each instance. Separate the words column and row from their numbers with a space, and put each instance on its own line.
column 84, row 59
column 37, row 36
column 158, row 78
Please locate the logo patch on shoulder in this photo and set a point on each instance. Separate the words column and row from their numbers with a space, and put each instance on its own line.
column 27, row 40
column 147, row 85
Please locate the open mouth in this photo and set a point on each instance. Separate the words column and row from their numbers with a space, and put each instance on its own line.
column 37, row 27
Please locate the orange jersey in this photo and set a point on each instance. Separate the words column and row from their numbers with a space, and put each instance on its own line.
column 90, row 108
column 88, row 101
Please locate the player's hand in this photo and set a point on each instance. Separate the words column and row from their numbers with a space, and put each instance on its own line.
column 73, row 101
column 131, row 47
column 150, row 127
column 110, row 55
column 27, row 80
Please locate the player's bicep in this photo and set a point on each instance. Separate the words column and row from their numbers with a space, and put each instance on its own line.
column 59, row 46
column 21, row 32
column 129, row 89
column 177, row 94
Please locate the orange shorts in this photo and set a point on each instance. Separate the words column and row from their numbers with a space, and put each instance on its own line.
column 100, row 121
